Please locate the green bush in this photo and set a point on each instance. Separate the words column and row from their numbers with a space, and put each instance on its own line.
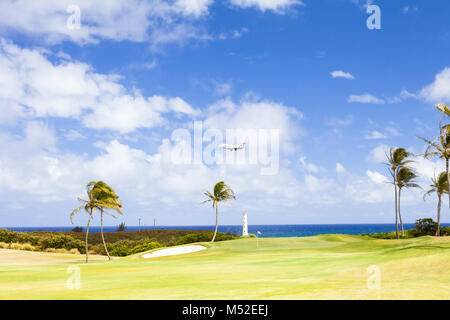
column 124, row 248
column 382, row 235
column 120, row 248
column 425, row 227
column 204, row 237
column 8, row 236
column 145, row 247
column 62, row 242
column 445, row 231
column 18, row 237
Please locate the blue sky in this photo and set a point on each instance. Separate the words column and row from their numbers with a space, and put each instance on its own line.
column 102, row 102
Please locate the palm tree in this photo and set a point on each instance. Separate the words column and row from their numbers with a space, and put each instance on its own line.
column 222, row 192
column 89, row 206
column 106, row 197
column 405, row 179
column 440, row 147
column 397, row 158
column 439, row 185
column 444, row 109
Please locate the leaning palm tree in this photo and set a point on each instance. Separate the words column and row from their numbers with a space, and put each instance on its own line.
column 89, row 206
column 439, row 186
column 106, row 198
column 405, row 179
column 222, row 192
column 440, row 147
column 397, row 158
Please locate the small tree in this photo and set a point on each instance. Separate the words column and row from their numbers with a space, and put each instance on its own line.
column 439, row 186
column 440, row 147
column 89, row 206
column 222, row 192
column 405, row 179
column 426, row 226
column 121, row 227
column 397, row 158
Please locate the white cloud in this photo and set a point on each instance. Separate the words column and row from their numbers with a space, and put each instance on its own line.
column 194, row 7
column 342, row 74
column 339, row 168
column 335, row 122
column 31, row 171
column 130, row 20
column 33, row 86
column 378, row 154
column 369, row 189
column 375, row 135
column 376, row 177
column 151, row 65
column 277, row 6
column 311, row 167
column 365, row 98
column 223, row 88
column 408, row 9
column 267, row 115
column 439, row 90
column 73, row 135
column 395, row 132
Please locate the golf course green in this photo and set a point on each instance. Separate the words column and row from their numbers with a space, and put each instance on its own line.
column 319, row 267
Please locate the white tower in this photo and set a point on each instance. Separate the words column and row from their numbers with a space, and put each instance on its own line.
column 245, row 226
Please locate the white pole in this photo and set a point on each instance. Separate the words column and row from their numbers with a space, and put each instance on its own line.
column 245, row 225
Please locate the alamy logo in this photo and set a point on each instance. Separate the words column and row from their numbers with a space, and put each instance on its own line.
column 374, row 280
column 74, row 20
column 374, row 20
column 74, row 280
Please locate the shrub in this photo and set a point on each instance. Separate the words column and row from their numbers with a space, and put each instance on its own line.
column 28, row 247
column 15, row 246
column 18, row 237
column 124, row 248
column 121, row 227
column 204, row 237
column 145, row 247
column 426, row 227
column 4, row 245
column 62, row 242
column 445, row 231
column 74, row 251
column 77, row 229
column 8, row 236
column 59, row 250
column 120, row 248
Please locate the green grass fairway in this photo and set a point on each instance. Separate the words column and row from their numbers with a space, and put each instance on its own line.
column 320, row 267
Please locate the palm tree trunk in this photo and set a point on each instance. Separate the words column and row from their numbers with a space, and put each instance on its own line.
column 217, row 222
column 448, row 179
column 399, row 213
column 101, row 230
column 438, row 231
column 87, row 234
column 396, row 210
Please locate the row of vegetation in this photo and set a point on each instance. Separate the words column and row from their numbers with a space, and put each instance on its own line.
column 422, row 227
column 125, row 244
column 403, row 175
column 103, row 199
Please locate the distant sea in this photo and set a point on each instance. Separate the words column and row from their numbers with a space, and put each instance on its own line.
column 294, row 230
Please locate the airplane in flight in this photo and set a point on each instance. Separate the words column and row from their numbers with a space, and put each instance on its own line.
column 233, row 147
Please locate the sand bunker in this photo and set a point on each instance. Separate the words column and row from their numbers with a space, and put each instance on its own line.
column 174, row 251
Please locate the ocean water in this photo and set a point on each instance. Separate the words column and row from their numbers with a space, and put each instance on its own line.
column 295, row 230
